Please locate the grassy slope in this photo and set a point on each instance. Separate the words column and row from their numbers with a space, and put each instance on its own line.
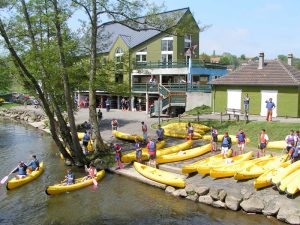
column 8, row 105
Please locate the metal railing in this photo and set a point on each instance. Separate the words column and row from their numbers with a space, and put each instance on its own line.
column 145, row 87
column 163, row 91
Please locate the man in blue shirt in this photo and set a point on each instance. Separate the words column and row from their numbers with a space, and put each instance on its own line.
column 270, row 106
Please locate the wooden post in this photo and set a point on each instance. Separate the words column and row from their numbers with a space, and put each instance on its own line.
column 221, row 118
column 179, row 118
column 198, row 116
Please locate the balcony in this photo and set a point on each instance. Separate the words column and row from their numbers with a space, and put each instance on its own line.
column 142, row 87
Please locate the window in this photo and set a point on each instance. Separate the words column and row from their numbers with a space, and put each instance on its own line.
column 167, row 50
column 118, row 54
column 141, row 56
column 167, row 58
column 119, row 78
column 187, row 41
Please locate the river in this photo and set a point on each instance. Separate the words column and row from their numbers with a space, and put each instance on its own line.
column 117, row 200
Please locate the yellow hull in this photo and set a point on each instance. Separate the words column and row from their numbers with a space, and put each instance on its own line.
column 68, row 150
column 291, row 181
column 125, row 136
column 205, row 168
column 259, row 168
column 174, row 148
column 293, row 187
column 276, row 145
column 191, row 168
column 180, row 134
column 60, row 188
column 182, row 125
column 264, row 180
column 159, row 175
column 233, row 138
column 145, row 156
column 230, row 169
column 285, row 172
column 80, row 135
column 14, row 183
column 187, row 154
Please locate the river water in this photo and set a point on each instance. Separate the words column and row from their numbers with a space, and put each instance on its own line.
column 117, row 200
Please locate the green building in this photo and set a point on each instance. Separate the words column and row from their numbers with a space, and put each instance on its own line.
column 261, row 80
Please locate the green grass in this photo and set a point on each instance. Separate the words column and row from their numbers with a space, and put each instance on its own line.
column 8, row 105
column 201, row 110
column 276, row 131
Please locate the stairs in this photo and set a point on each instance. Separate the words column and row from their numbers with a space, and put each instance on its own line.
column 171, row 98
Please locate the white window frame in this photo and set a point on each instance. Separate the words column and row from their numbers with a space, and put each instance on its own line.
column 118, row 54
column 188, row 40
column 140, row 54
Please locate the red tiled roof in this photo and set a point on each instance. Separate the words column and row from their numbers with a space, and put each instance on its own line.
column 274, row 73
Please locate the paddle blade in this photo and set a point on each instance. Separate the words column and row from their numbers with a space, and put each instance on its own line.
column 95, row 182
column 4, row 180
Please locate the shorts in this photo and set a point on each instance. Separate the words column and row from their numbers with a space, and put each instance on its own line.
column 145, row 136
column 85, row 143
column 21, row 176
column 224, row 150
column 262, row 146
column 117, row 158
column 241, row 145
column 114, row 127
column 152, row 157
column 215, row 138
column 138, row 154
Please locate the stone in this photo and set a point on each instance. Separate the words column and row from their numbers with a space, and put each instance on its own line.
column 202, row 190
column 182, row 192
column 248, row 194
column 193, row 197
column 222, row 195
column 233, row 201
column 289, row 214
column 176, row 193
column 206, row 199
column 271, row 208
column 190, row 189
column 214, row 193
column 219, row 204
column 170, row 189
column 253, row 205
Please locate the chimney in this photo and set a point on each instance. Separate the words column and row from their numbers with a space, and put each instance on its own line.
column 290, row 59
column 261, row 60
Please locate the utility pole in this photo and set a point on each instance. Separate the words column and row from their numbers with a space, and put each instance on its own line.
column 159, row 110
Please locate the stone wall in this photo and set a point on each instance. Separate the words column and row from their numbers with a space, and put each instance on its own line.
column 26, row 115
column 195, row 99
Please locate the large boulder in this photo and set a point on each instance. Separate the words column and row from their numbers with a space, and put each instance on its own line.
column 202, row 190
column 246, row 193
column 233, row 201
column 182, row 192
column 170, row 190
column 190, row 189
column 219, row 204
column 193, row 197
column 288, row 214
column 176, row 193
column 222, row 195
column 253, row 205
column 214, row 193
column 271, row 208
column 206, row 199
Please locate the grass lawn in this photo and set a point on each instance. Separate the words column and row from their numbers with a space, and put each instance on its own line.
column 276, row 131
column 201, row 110
column 8, row 105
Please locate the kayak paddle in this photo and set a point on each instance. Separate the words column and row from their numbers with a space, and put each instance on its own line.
column 4, row 179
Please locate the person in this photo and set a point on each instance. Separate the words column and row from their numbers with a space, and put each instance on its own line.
column 294, row 152
column 138, row 150
column 85, row 141
column 126, row 105
column 241, row 137
column 140, row 104
column 21, row 169
column 107, row 103
column 34, row 164
column 270, row 106
column 182, row 81
column 190, row 130
column 263, row 139
column 151, row 146
column 92, row 172
column 69, row 178
column 87, row 126
column 225, row 145
column 118, row 155
column 214, row 138
column 145, row 131
column 114, row 124
column 290, row 140
column 99, row 115
column 123, row 104
column 297, row 137
column 160, row 133
column 246, row 103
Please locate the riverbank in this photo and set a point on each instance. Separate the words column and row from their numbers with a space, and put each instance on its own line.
column 221, row 193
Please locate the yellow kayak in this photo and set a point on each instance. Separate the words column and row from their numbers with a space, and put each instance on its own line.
column 14, row 183
column 80, row 135
column 264, row 180
column 132, row 155
column 183, row 125
column 183, row 155
column 180, row 134
column 233, row 138
column 68, row 150
column 258, row 168
column 125, row 136
column 205, row 168
column 191, row 168
column 290, row 183
column 159, row 175
column 285, row 172
column 230, row 169
column 276, row 145
column 61, row 188
column 174, row 148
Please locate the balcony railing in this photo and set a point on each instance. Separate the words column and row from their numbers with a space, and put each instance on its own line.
column 142, row 87
column 145, row 87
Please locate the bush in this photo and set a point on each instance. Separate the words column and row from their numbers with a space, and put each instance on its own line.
column 1, row 101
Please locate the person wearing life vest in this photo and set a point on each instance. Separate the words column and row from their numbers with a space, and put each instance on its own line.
column 85, row 141
column 138, row 150
column 114, row 124
column 294, row 152
column 225, row 145
column 21, row 169
column 34, row 164
column 241, row 137
column 190, row 130
column 290, row 140
column 92, row 172
column 160, row 133
column 145, row 131
column 263, row 139
column 151, row 146
column 69, row 178
column 118, row 155
column 214, row 138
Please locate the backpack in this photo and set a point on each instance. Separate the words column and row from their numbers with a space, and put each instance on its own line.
column 151, row 146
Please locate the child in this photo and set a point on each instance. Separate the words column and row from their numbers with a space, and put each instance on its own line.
column 69, row 178
column 190, row 130
column 92, row 172
column 114, row 124
column 151, row 146
column 214, row 139
column 226, row 145
column 241, row 136
column 263, row 139
column 138, row 150
column 118, row 155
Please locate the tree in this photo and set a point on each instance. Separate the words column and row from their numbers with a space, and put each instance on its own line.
column 204, row 57
column 243, row 57
column 282, row 58
column 5, row 75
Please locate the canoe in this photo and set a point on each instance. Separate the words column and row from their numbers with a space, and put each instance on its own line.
column 276, row 145
column 175, row 148
column 68, row 150
column 285, row 172
column 191, row 168
column 60, row 188
column 183, row 155
column 205, row 168
column 291, row 181
column 233, row 138
column 125, row 136
column 132, row 156
column 80, row 135
column 182, row 130
column 293, row 187
column 14, row 183
column 159, row 175
column 180, row 134
column 258, row 168
column 197, row 126
column 230, row 169
column 264, row 180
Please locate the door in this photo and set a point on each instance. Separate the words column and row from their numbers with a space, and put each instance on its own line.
column 266, row 95
column 234, row 99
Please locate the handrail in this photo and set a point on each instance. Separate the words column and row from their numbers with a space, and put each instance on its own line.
column 163, row 90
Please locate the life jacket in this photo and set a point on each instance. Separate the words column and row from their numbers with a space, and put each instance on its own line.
column 290, row 139
column 70, row 178
column 263, row 139
column 137, row 146
column 35, row 164
column 190, row 130
column 92, row 172
column 151, row 146
column 225, row 142
column 214, row 133
column 86, row 137
column 160, row 132
column 144, row 128
column 241, row 137
column 22, row 170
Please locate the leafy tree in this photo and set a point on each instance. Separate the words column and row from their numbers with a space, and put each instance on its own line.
column 5, row 75
column 204, row 57
column 282, row 58
column 243, row 57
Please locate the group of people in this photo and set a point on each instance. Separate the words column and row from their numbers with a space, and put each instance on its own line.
column 293, row 145
column 24, row 169
column 125, row 104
